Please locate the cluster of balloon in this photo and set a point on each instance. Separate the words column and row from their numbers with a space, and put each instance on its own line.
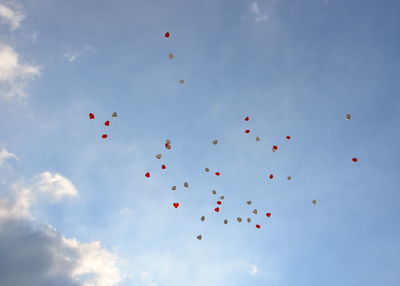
column 214, row 192
column 219, row 203
column 219, row 207
column 106, row 123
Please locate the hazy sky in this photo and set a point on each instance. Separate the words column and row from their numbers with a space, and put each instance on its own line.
column 76, row 209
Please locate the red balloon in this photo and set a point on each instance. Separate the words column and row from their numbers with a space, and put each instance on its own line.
column 167, row 35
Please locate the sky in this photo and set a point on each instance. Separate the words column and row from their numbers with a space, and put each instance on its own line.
column 76, row 209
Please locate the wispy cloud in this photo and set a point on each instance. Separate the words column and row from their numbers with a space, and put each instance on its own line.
column 10, row 17
column 125, row 211
column 73, row 55
column 168, row 267
column 254, row 269
column 14, row 75
column 255, row 11
column 5, row 155
column 56, row 185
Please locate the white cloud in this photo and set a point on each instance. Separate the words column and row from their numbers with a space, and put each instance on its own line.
column 255, row 11
column 23, row 195
column 95, row 260
column 73, row 55
column 18, row 205
column 14, row 75
column 56, row 185
column 253, row 269
column 125, row 211
column 5, row 155
column 35, row 253
column 10, row 17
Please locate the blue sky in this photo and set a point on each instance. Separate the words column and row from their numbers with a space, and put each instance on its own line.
column 294, row 67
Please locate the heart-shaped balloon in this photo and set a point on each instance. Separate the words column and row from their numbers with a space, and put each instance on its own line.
column 147, row 175
column 91, row 116
column 268, row 214
column 199, row 237
column 216, row 209
column 176, row 205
